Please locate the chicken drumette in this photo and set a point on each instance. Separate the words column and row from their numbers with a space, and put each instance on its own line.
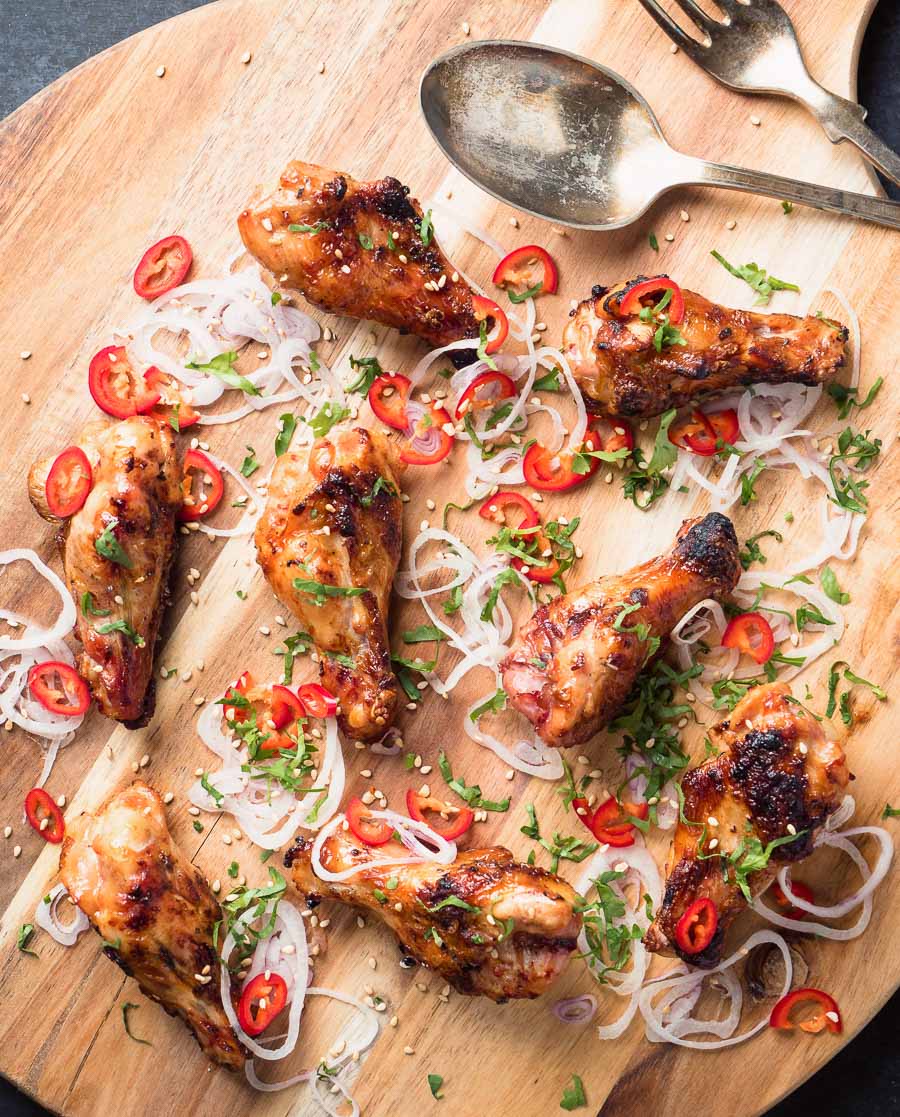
column 117, row 549
column 574, row 663
column 362, row 249
column 519, row 952
column 621, row 372
column 776, row 778
column 329, row 543
column 154, row 911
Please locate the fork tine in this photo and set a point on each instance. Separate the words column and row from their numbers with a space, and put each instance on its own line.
column 690, row 46
column 697, row 14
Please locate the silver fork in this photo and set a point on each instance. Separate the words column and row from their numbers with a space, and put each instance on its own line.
column 755, row 49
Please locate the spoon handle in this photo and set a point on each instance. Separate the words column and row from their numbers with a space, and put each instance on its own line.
column 880, row 210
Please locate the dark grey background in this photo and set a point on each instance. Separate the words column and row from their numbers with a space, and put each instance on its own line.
column 42, row 39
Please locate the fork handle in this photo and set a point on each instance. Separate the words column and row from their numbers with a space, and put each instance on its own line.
column 845, row 120
column 880, row 210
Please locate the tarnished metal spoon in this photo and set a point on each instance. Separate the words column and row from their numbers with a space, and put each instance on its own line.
column 563, row 138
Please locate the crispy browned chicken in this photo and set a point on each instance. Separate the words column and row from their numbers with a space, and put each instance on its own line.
column 621, row 372
column 118, row 549
column 329, row 544
column 359, row 248
column 154, row 911
column 515, row 944
column 776, row 779
column 574, row 663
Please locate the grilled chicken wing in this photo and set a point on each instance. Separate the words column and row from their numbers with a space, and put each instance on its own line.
column 153, row 909
column 574, row 663
column 132, row 505
column 359, row 248
column 620, row 371
column 329, row 543
column 518, row 953
column 776, row 775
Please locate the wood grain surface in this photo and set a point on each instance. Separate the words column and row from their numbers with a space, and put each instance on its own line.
column 111, row 157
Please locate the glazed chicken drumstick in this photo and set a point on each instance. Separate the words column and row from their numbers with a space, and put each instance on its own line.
column 621, row 372
column 117, row 549
column 154, row 911
column 574, row 663
column 518, row 953
column 362, row 249
column 329, row 544
column 775, row 780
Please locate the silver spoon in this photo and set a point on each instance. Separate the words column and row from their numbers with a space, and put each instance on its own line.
column 563, row 138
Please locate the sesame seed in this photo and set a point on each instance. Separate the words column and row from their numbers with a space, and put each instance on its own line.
column 226, row 839
column 398, row 906
column 17, row 851
column 366, row 773
column 684, row 215
column 673, row 49
column 145, row 760
column 160, row 71
column 321, row 67
column 791, row 828
column 430, row 505
column 670, row 237
column 514, row 221
column 360, row 922
column 714, row 843
column 26, row 398
column 7, row 831
column 426, row 768
column 803, row 749
column 466, row 28
column 345, row 268
column 323, row 923
column 25, row 354
column 168, row 797
column 755, row 121
column 832, row 1016
column 712, row 820
column 373, row 964
column 730, row 224
column 267, row 224
column 510, row 774
column 199, row 701
column 246, row 57
column 264, row 630
column 409, row 1050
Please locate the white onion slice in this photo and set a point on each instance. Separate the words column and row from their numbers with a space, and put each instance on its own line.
column 673, row 1031
column 36, row 635
column 576, row 1010
column 876, row 875
column 47, row 917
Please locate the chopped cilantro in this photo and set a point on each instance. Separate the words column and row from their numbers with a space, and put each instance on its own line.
column 287, row 426
column 222, row 367
column 756, row 278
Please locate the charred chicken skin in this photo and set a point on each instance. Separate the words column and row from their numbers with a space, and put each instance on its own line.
column 493, row 958
column 329, row 544
column 118, row 548
column 361, row 249
column 620, row 371
column 154, row 911
column 574, row 663
column 776, row 779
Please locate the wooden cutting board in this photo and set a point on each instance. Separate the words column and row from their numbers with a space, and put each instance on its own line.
column 111, row 157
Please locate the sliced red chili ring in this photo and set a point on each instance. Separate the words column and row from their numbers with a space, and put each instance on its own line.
column 174, row 406
column 370, row 831
column 828, row 1014
column 608, row 823
column 114, row 386
column 651, row 289
column 162, row 267
column 317, row 701
column 419, row 807
column 501, row 385
column 498, row 507
column 387, row 398
column 68, row 482
column 286, row 706
column 59, row 688
column 485, row 309
column 697, row 926
column 799, row 889
column 44, row 815
column 196, row 507
column 263, row 997
column 553, row 472
column 241, row 687
column 536, row 573
column 750, row 633
column 429, row 443
column 694, row 433
column 615, row 434
column 725, row 425
column 525, row 269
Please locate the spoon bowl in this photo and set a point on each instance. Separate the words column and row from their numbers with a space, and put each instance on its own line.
column 561, row 137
